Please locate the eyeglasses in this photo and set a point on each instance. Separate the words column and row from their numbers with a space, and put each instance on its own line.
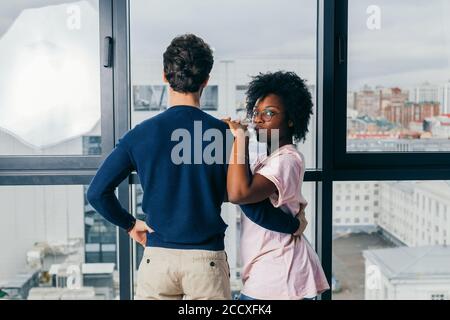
column 266, row 114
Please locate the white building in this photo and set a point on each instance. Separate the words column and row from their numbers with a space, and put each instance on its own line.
column 409, row 213
column 416, row 213
column 404, row 273
column 426, row 92
column 355, row 206
column 439, row 126
column 445, row 104
column 351, row 100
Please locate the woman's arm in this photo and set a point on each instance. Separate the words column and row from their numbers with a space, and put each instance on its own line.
column 243, row 189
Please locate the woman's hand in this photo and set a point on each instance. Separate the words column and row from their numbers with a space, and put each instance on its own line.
column 237, row 129
column 241, row 141
column 139, row 232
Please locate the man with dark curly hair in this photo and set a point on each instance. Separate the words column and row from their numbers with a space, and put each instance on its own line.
column 183, row 234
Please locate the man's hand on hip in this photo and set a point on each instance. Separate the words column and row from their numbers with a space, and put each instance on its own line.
column 139, row 232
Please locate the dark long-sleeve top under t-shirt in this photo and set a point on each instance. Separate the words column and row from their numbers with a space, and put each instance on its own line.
column 182, row 201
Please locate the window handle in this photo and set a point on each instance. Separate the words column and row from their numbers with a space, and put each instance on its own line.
column 107, row 52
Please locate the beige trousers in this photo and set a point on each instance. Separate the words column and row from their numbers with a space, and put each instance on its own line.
column 172, row 274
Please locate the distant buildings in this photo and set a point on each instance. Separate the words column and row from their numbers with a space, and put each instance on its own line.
column 433, row 93
column 368, row 102
column 446, row 98
column 402, row 110
column 408, row 213
column 52, row 216
column 356, row 206
column 407, row 113
column 392, row 98
column 426, row 92
column 413, row 216
column 439, row 126
column 396, row 143
column 415, row 213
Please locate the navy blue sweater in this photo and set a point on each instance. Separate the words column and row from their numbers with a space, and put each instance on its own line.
column 182, row 202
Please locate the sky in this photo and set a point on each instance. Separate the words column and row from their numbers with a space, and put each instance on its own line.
column 235, row 28
column 411, row 47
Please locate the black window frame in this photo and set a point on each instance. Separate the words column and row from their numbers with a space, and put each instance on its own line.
column 434, row 161
column 52, row 163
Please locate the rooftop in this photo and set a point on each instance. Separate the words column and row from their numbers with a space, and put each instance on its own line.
column 430, row 262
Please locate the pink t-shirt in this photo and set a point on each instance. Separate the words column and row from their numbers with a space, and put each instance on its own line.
column 275, row 265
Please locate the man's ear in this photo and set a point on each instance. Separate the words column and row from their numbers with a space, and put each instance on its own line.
column 205, row 83
column 164, row 78
column 290, row 124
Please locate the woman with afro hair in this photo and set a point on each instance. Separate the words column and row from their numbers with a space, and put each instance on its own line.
column 275, row 265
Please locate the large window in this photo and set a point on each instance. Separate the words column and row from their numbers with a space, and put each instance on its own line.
column 56, row 124
column 398, row 96
column 246, row 47
column 390, row 240
column 50, row 78
column 53, row 245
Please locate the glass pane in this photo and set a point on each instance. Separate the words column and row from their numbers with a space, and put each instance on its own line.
column 264, row 36
column 50, row 78
column 390, row 240
column 398, row 76
column 231, row 214
column 62, row 248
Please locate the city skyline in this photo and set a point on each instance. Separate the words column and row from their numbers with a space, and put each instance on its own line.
column 420, row 112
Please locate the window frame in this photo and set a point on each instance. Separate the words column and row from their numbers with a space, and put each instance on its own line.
column 79, row 162
column 343, row 160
